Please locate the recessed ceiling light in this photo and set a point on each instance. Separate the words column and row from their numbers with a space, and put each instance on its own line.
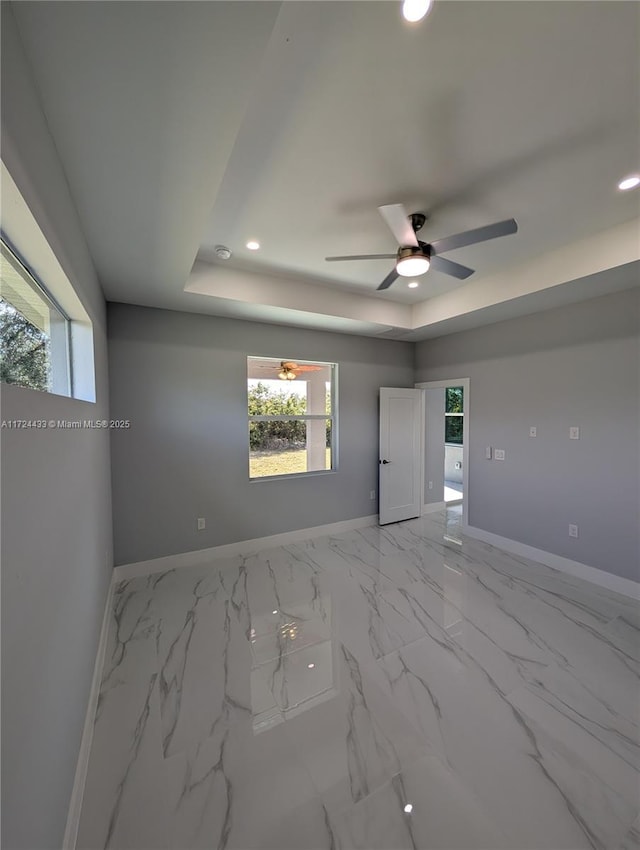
column 415, row 10
column 275, row 612
column 413, row 285
column 311, row 666
column 408, row 808
column 252, row 245
column 629, row 182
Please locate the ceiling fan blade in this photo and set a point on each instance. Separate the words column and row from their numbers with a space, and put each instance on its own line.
column 441, row 264
column 307, row 368
column 471, row 237
column 386, row 283
column 399, row 224
column 362, row 257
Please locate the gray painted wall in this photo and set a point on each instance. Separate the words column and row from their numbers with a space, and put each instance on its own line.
column 181, row 380
column 577, row 365
column 434, row 445
column 56, row 514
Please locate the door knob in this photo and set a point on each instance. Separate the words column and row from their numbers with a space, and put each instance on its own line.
column 386, row 461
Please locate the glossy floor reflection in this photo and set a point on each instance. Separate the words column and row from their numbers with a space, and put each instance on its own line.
column 376, row 689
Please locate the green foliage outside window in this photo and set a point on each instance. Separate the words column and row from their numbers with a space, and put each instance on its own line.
column 454, row 400
column 453, row 425
column 275, row 434
column 24, row 350
column 453, row 429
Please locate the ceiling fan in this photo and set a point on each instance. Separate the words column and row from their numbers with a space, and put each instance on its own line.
column 414, row 257
column 288, row 370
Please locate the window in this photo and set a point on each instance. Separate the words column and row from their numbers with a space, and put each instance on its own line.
column 34, row 332
column 46, row 332
column 292, row 416
column 454, row 415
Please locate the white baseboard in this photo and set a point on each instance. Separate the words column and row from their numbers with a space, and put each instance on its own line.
column 242, row 547
column 433, row 507
column 77, row 792
column 625, row 586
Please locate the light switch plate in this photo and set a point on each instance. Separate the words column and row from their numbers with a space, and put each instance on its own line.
column 499, row 454
column 533, row 431
column 574, row 433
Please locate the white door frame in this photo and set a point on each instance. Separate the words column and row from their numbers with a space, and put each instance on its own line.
column 450, row 382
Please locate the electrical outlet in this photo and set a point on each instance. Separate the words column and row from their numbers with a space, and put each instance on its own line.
column 499, row 454
column 574, row 433
column 431, row 485
column 202, row 523
column 487, row 453
column 372, row 494
column 573, row 530
column 533, row 431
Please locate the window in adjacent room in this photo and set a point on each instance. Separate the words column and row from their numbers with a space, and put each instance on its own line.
column 454, row 415
column 292, row 416
column 34, row 331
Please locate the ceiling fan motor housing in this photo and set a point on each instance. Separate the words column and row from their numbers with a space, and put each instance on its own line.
column 420, row 250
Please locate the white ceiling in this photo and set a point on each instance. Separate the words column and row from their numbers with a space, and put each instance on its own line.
column 183, row 125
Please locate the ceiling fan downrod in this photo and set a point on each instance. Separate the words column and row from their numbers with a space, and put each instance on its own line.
column 417, row 221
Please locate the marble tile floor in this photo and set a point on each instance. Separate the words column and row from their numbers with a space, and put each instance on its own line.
column 375, row 689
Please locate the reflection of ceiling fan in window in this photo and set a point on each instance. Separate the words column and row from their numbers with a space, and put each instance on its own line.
column 288, row 370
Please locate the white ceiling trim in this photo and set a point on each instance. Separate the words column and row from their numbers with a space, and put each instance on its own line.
column 252, row 288
column 607, row 250
column 568, row 274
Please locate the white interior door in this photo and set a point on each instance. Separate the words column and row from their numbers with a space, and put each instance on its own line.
column 400, row 454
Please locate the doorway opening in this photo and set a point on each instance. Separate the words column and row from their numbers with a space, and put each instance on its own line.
column 453, row 445
column 446, row 451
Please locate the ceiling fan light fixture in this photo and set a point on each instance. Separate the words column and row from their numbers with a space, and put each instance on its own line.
column 416, row 10
column 412, row 266
column 286, row 374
